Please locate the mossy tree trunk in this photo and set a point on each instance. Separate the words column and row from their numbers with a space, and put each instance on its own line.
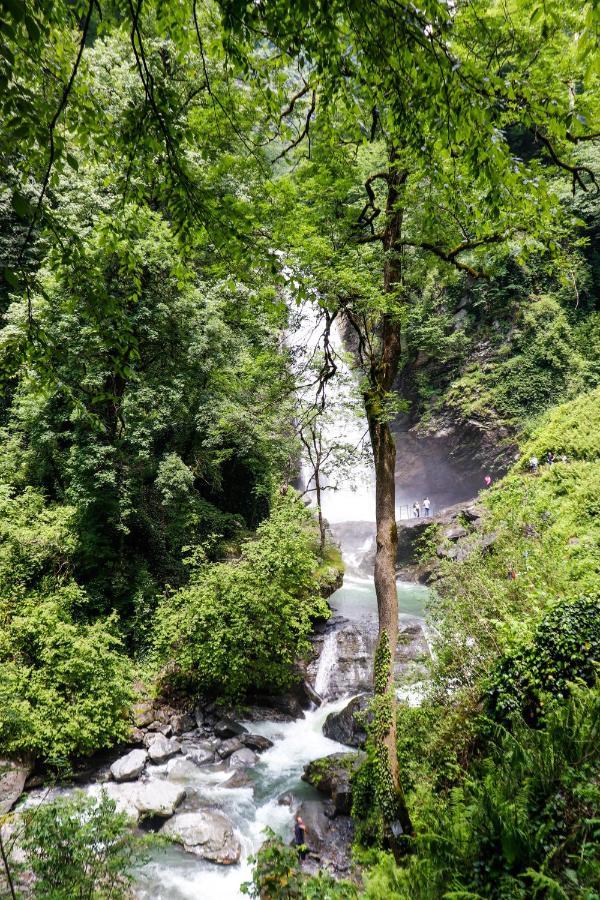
column 382, row 374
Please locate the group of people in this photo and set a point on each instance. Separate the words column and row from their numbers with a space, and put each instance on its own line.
column 417, row 507
column 534, row 462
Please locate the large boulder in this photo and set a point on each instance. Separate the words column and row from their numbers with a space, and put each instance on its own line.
column 180, row 768
column 182, row 722
column 333, row 776
column 329, row 840
column 123, row 795
column 227, row 728
column 13, row 775
column 239, row 779
column 154, row 798
column 207, row 833
column 143, row 713
column 256, row 742
column 128, row 767
column 348, row 725
column 243, row 759
column 226, row 748
column 162, row 748
column 199, row 755
column 158, row 798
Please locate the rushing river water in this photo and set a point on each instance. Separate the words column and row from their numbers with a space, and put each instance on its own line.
column 348, row 505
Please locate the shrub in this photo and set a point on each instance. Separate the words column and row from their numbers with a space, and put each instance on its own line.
column 80, row 848
column 242, row 624
column 65, row 687
column 525, row 824
column 565, row 648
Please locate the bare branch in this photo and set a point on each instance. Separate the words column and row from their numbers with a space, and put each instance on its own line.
column 290, row 107
column 305, row 131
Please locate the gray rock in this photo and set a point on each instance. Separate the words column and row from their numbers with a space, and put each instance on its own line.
column 329, row 839
column 227, row 728
column 180, row 768
column 256, row 742
column 226, row 748
column 13, row 775
column 348, row 725
column 128, row 767
column 488, row 541
column 199, row 756
column 181, row 723
column 333, row 775
column 207, row 833
column 243, row 759
column 455, row 533
column 158, row 798
column 143, row 713
column 285, row 799
column 163, row 727
column 162, row 749
column 124, row 796
column 239, row 779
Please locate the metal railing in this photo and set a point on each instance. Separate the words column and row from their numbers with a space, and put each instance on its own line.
column 405, row 512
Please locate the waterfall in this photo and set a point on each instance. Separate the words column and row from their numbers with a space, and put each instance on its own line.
column 327, row 664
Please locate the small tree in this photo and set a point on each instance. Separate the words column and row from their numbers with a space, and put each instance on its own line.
column 81, row 848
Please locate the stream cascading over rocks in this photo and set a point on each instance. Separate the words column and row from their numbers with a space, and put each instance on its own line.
column 193, row 790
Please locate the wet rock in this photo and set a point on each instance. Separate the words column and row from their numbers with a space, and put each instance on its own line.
column 332, row 775
column 285, row 799
column 472, row 513
column 128, row 767
column 256, row 742
column 199, row 756
column 455, row 533
column 162, row 749
column 348, row 725
column 243, row 759
column 207, row 833
column 13, row 774
column 158, row 798
column 180, row 768
column 182, row 722
column 227, row 728
column 329, row 840
column 355, row 651
column 239, row 779
column 226, row 748
column 124, row 796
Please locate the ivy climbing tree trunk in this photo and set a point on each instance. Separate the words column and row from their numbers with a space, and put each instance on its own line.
column 382, row 373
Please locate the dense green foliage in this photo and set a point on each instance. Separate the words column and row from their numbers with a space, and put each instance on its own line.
column 65, row 683
column 565, row 648
column 80, row 848
column 171, row 174
column 501, row 762
column 240, row 625
column 278, row 875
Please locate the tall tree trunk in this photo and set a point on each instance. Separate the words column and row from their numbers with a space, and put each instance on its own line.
column 383, row 371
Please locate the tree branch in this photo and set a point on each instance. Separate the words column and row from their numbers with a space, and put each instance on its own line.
column 53, row 122
column 304, row 133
